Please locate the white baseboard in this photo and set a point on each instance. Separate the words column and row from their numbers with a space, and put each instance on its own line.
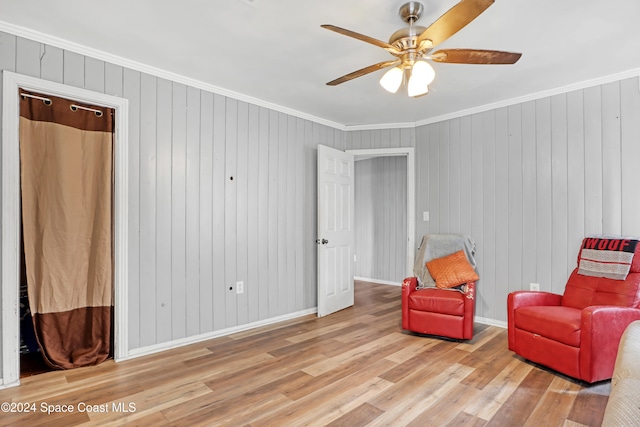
column 156, row 348
column 491, row 322
column 381, row 282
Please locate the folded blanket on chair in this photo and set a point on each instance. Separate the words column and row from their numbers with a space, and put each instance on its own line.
column 436, row 246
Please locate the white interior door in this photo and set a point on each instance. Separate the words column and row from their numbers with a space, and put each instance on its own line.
column 335, row 230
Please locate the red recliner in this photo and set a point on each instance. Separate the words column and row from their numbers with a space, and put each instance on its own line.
column 433, row 311
column 578, row 333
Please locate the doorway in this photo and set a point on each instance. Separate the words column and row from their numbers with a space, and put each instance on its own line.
column 380, row 225
column 12, row 83
column 407, row 152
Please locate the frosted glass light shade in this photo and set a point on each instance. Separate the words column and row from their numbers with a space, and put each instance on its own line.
column 422, row 74
column 392, row 79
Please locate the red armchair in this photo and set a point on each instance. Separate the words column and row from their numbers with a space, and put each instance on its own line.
column 433, row 311
column 578, row 333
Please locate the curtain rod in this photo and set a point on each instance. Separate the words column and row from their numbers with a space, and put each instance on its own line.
column 73, row 107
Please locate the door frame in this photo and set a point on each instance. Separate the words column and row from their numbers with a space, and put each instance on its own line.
column 12, row 83
column 408, row 152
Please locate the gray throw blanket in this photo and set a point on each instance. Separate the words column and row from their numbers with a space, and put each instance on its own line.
column 436, row 246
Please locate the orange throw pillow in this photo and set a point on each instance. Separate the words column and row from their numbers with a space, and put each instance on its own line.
column 452, row 270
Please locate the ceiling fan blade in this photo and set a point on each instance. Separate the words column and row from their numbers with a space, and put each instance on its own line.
column 454, row 20
column 474, row 56
column 362, row 37
column 363, row 71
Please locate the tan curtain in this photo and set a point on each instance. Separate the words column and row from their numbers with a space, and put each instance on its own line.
column 66, row 177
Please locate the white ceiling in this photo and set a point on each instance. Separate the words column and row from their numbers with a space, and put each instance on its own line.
column 275, row 50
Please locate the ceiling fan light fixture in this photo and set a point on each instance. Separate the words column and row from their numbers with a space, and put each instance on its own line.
column 416, row 87
column 392, row 79
column 422, row 74
column 424, row 71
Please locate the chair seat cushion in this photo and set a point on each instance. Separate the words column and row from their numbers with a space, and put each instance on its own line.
column 558, row 323
column 437, row 301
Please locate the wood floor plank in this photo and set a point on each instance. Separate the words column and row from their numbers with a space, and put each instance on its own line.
column 360, row 416
column 356, row 367
column 403, row 411
column 522, row 401
column 554, row 406
column 499, row 389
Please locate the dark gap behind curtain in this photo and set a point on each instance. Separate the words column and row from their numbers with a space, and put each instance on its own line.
column 66, row 162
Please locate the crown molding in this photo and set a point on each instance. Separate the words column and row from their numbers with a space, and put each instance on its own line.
column 532, row 97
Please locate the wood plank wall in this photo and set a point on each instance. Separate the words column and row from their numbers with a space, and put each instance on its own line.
column 195, row 231
column 528, row 181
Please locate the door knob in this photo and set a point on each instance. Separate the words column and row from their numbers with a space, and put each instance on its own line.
column 323, row 241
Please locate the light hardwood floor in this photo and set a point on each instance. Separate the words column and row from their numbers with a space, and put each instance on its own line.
column 353, row 368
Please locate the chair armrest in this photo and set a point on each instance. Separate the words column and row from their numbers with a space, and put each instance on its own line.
column 601, row 330
column 408, row 285
column 519, row 299
column 530, row 298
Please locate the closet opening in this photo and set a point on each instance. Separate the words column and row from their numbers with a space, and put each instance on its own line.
column 66, row 198
column 102, row 307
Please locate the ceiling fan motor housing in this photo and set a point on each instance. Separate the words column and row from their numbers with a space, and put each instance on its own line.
column 410, row 12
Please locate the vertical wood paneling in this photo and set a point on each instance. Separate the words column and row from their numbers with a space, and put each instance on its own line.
column 529, row 189
column 476, row 207
column 298, row 158
column 274, row 199
column 291, row 211
column 489, row 229
column 73, row 69
column 219, row 253
column 252, row 284
column 310, row 214
column 231, row 210
column 544, row 192
column 501, row 209
column 593, row 159
column 192, row 213
column 206, row 202
column 559, row 193
column 515, row 199
column 178, row 211
column 148, row 185
column 575, row 175
column 132, row 91
column 263, row 214
column 466, row 161
column 113, row 78
column 94, row 77
column 51, row 64
column 283, row 205
column 163, row 212
column 241, row 179
column 28, row 57
column 422, row 187
column 435, row 176
column 8, row 52
column 630, row 135
column 611, row 160
column 444, row 177
column 454, row 210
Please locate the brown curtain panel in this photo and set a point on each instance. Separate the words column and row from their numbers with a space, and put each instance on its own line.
column 66, row 177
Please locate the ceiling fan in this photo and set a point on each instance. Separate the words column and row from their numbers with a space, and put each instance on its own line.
column 412, row 45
